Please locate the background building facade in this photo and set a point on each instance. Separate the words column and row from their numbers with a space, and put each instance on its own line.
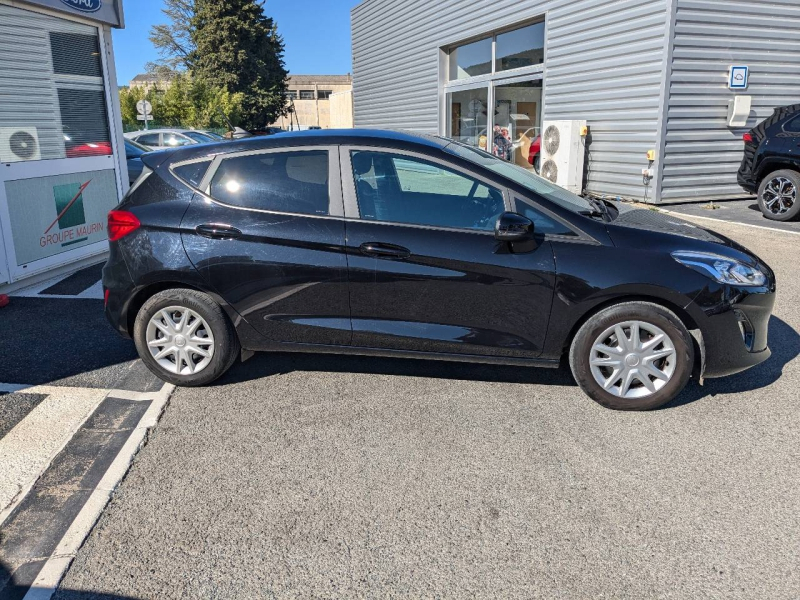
column 310, row 95
column 62, row 164
column 645, row 74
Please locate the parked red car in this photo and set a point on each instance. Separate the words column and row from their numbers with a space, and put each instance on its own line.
column 533, row 153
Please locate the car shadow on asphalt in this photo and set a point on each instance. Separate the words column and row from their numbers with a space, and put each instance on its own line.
column 267, row 364
column 784, row 342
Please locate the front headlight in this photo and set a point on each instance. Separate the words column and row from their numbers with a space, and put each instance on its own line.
column 721, row 268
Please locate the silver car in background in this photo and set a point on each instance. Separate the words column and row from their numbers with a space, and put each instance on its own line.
column 172, row 138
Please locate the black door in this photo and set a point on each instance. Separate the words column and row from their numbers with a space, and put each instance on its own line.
column 273, row 244
column 426, row 273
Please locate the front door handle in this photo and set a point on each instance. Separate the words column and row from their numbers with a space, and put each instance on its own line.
column 384, row 250
column 216, row 231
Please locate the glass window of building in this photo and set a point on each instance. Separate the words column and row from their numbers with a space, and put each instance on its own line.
column 468, row 116
column 517, row 122
column 306, row 94
column 324, row 94
column 471, row 60
column 51, row 77
column 520, row 48
column 291, row 94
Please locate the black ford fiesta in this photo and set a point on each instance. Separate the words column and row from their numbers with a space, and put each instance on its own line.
column 393, row 244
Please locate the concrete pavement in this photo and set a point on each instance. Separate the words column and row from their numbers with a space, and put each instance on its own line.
column 338, row 477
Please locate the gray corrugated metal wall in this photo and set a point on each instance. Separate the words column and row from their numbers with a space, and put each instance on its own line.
column 604, row 63
column 702, row 154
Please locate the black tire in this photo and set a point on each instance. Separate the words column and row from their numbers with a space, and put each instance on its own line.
column 653, row 314
column 794, row 211
column 226, row 342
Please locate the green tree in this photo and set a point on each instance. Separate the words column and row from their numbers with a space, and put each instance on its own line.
column 173, row 39
column 237, row 48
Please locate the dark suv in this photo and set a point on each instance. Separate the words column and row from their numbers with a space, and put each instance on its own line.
column 771, row 164
column 392, row 244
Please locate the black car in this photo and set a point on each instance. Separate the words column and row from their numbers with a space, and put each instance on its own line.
column 771, row 164
column 393, row 244
column 133, row 156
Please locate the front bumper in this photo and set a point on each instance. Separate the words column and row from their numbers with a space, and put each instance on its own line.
column 736, row 330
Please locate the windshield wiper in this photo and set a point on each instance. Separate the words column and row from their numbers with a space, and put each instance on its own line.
column 600, row 209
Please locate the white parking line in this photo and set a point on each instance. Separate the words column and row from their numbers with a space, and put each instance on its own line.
column 33, row 443
column 685, row 216
column 56, row 566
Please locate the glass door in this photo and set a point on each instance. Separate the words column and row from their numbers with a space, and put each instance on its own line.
column 468, row 116
column 516, row 127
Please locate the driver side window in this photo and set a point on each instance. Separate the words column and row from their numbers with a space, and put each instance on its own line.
column 403, row 189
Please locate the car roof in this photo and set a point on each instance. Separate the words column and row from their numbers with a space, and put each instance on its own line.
column 323, row 137
column 160, row 130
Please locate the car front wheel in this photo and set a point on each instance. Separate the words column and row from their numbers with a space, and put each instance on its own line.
column 185, row 338
column 632, row 356
column 778, row 195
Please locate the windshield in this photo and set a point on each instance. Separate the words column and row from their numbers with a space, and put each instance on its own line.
column 199, row 136
column 135, row 149
column 522, row 176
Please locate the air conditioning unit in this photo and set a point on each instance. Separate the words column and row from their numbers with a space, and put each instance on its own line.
column 563, row 154
column 19, row 144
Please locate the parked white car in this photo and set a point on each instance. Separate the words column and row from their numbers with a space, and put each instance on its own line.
column 172, row 138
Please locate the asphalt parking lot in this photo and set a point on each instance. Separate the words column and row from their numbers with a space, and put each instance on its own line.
column 321, row 476
column 743, row 211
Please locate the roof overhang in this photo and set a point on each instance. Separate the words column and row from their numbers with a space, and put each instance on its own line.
column 102, row 11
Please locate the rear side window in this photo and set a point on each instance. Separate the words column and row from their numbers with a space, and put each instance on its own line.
column 192, row 173
column 149, row 139
column 792, row 126
column 294, row 182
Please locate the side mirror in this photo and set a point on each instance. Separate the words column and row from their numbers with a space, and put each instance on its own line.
column 511, row 227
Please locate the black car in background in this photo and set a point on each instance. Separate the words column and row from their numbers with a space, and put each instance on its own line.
column 133, row 156
column 771, row 164
column 392, row 244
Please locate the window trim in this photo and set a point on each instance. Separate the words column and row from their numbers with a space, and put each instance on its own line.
column 183, row 163
column 580, row 235
column 335, row 202
column 351, row 208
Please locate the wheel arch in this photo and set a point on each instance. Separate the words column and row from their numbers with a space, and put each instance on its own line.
column 148, row 291
column 770, row 166
column 682, row 314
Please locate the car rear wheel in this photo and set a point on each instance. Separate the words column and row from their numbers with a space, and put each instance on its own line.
column 778, row 195
column 185, row 338
column 632, row 356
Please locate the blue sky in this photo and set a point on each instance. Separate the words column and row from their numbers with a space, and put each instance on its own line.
column 316, row 33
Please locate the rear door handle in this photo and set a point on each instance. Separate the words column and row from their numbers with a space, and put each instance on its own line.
column 216, row 231
column 384, row 250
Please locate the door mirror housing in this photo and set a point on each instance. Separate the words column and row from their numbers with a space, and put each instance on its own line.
column 511, row 227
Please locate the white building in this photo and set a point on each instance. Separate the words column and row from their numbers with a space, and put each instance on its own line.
column 62, row 156
column 646, row 75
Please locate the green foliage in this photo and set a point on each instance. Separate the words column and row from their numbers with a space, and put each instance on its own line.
column 188, row 103
column 237, row 48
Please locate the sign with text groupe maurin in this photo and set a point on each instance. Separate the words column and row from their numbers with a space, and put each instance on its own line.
column 51, row 215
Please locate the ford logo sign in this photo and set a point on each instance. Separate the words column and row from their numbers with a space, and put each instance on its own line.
column 84, row 5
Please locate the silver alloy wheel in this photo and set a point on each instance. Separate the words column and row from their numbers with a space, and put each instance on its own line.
column 180, row 340
column 780, row 195
column 633, row 359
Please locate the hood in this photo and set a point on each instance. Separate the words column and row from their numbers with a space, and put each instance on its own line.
column 669, row 232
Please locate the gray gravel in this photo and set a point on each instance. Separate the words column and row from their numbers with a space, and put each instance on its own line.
column 349, row 477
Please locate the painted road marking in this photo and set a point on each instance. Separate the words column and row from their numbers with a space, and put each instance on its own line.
column 31, row 445
column 685, row 216
column 51, row 573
